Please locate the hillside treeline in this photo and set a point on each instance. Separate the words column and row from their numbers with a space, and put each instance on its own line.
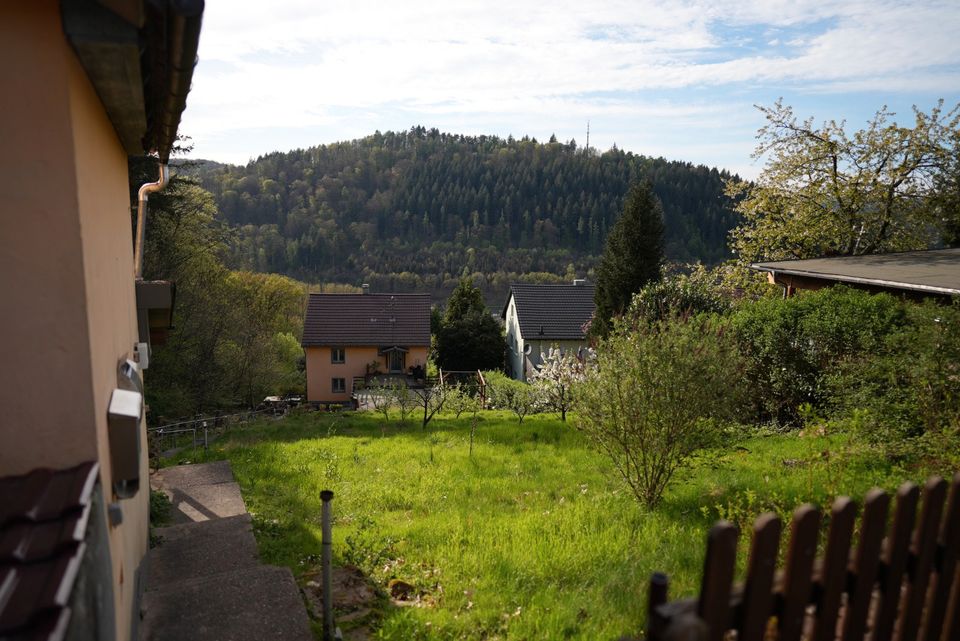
column 413, row 210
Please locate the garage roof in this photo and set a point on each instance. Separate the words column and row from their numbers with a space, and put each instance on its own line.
column 935, row 271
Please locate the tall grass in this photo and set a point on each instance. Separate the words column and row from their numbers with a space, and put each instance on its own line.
column 533, row 537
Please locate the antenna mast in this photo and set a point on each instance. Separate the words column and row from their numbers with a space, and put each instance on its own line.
column 588, row 135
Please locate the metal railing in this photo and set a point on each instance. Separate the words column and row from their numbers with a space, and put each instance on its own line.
column 200, row 430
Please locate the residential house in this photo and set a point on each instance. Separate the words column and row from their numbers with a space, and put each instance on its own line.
column 538, row 317
column 933, row 273
column 84, row 85
column 351, row 336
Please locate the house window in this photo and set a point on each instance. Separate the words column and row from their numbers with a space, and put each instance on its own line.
column 337, row 355
column 339, row 385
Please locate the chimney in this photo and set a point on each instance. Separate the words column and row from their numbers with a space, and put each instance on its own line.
column 578, row 282
column 366, row 289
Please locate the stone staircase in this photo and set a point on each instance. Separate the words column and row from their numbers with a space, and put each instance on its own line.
column 204, row 581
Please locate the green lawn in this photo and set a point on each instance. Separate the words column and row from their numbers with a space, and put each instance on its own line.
column 534, row 537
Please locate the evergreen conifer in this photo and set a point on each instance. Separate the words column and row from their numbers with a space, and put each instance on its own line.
column 632, row 257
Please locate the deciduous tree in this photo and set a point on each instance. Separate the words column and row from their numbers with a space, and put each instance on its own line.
column 825, row 192
column 557, row 376
column 656, row 395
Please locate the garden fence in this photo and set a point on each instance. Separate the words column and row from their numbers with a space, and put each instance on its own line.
column 898, row 584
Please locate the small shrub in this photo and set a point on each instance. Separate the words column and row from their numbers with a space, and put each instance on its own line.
column 909, row 387
column 505, row 393
column 793, row 344
column 382, row 396
column 159, row 508
column 658, row 395
column 461, row 399
column 557, row 376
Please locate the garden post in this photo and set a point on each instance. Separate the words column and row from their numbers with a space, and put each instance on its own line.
column 326, row 566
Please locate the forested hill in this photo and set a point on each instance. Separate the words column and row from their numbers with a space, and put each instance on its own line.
column 412, row 210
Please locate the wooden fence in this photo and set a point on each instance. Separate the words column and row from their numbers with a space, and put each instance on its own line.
column 899, row 584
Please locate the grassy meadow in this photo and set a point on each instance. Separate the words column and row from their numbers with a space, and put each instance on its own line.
column 533, row 536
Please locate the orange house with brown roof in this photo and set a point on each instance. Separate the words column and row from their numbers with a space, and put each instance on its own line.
column 347, row 337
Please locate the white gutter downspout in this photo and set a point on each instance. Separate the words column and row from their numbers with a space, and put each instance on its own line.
column 145, row 190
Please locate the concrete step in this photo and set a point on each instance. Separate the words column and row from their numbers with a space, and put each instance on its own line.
column 253, row 604
column 195, row 474
column 201, row 549
column 200, row 492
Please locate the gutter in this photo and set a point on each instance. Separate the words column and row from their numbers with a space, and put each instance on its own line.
column 142, row 194
column 183, row 40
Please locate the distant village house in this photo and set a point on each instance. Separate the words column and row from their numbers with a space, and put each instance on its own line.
column 538, row 317
column 347, row 337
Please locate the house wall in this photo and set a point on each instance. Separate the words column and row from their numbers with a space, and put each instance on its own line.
column 45, row 378
column 539, row 348
column 417, row 356
column 66, row 268
column 320, row 370
column 515, row 343
column 106, row 231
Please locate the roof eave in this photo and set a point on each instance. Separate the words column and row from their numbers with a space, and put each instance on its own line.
column 876, row 282
column 140, row 68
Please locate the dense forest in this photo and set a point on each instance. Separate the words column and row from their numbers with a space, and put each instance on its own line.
column 414, row 210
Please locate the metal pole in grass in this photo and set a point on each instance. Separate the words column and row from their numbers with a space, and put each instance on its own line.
column 656, row 597
column 326, row 567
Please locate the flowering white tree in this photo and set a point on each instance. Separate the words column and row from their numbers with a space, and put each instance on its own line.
column 557, row 376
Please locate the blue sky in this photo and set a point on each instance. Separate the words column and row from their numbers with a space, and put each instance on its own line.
column 672, row 79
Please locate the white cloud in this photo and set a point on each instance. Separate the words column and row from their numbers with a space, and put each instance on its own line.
column 304, row 63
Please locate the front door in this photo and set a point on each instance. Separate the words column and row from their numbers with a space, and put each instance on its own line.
column 396, row 361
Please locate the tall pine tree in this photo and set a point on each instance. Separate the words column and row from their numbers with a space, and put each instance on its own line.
column 632, row 257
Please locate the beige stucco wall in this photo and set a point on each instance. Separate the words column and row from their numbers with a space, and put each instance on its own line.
column 417, row 356
column 106, row 232
column 44, row 349
column 66, row 271
column 320, row 371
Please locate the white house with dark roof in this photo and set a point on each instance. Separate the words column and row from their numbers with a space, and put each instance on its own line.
column 538, row 317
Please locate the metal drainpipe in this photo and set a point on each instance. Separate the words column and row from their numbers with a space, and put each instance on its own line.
column 145, row 190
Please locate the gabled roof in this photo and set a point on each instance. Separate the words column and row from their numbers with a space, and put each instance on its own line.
column 552, row 312
column 367, row 319
column 935, row 271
